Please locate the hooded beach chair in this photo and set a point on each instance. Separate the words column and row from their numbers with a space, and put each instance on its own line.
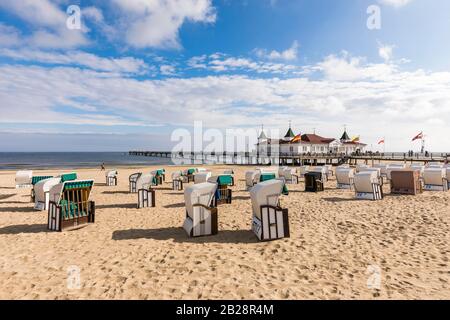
column 189, row 174
column 344, row 178
column 314, row 181
column 201, row 216
column 269, row 221
column 435, row 179
column 132, row 181
column 251, row 178
column 368, row 186
column 111, row 178
column 177, row 180
column 146, row 195
column 24, row 179
column 322, row 170
column 40, row 194
column 69, row 205
column 230, row 172
column 290, row 176
column 160, row 176
column 34, row 181
column 223, row 194
column 329, row 171
column 383, row 169
column 201, row 177
column 406, row 181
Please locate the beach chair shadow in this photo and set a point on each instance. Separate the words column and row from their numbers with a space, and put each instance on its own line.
column 175, row 205
column 17, row 209
column 179, row 235
column 24, row 228
column 117, row 206
column 6, row 196
column 336, row 199
column 116, row 192
column 100, row 184
column 241, row 198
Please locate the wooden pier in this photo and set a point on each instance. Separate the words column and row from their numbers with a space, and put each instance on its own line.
column 250, row 158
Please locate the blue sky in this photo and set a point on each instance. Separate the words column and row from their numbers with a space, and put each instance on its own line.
column 140, row 69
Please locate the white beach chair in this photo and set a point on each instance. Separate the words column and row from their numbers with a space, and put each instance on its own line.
column 329, row 171
column 301, row 171
column 24, row 179
column 393, row 167
column 177, row 180
column 69, row 205
column 269, row 221
column 435, row 179
column 201, row 177
column 132, row 181
column 290, row 176
column 146, row 195
column 111, row 178
column 201, row 217
column 229, row 172
column 367, row 185
column 42, row 192
column 251, row 178
column 344, row 178
column 274, row 170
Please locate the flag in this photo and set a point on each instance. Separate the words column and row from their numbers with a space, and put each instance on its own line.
column 419, row 136
column 381, row 141
column 355, row 139
column 297, row 138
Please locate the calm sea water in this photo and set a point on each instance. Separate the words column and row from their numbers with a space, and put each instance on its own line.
column 69, row 160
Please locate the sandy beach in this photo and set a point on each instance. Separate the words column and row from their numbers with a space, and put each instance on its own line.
column 336, row 244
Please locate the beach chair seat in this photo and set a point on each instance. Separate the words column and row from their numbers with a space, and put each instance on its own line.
column 69, row 205
column 314, row 182
column 111, row 178
column 146, row 195
column 223, row 194
column 269, row 220
column 406, row 181
column 201, row 216
column 435, row 179
column 177, row 180
column 251, row 178
column 24, row 179
column 132, row 182
column 344, row 178
column 368, row 186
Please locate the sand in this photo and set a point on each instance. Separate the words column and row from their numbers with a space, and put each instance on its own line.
column 338, row 246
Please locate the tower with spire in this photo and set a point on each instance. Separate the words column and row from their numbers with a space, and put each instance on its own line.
column 289, row 134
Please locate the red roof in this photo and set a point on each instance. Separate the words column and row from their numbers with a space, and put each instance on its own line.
column 306, row 138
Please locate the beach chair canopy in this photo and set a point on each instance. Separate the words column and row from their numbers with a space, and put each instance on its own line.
column 303, row 169
column 68, row 177
column 36, row 179
column 145, row 181
column 111, row 173
column 376, row 170
column 201, row 193
column 361, row 167
column 267, row 176
column 43, row 186
column 265, row 193
column 344, row 175
column 221, row 180
column 322, row 170
column 363, row 181
column 434, row 176
column 24, row 177
column 57, row 191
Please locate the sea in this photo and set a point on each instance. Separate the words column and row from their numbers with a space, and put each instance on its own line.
column 73, row 160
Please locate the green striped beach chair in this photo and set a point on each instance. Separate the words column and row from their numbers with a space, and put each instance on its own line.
column 69, row 205
column 40, row 194
column 223, row 195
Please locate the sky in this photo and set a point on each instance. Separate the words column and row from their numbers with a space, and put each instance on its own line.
column 132, row 73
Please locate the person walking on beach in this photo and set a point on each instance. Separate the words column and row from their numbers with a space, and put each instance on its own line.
column 103, row 167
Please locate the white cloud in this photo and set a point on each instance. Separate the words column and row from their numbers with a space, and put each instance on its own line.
column 287, row 55
column 394, row 104
column 156, row 23
column 385, row 52
column 79, row 58
column 49, row 23
column 395, row 3
column 9, row 36
column 167, row 70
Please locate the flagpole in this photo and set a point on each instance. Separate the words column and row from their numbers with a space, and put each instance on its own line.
column 384, row 145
